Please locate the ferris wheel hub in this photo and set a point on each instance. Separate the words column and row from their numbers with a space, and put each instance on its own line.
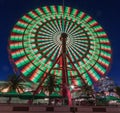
column 63, row 35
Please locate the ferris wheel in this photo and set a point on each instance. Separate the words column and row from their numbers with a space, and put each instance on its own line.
column 35, row 46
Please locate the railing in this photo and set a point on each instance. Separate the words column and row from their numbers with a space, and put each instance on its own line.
column 25, row 108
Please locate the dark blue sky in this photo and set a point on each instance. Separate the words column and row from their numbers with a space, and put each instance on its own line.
column 106, row 12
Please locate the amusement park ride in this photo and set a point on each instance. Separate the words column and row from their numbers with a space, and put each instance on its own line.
column 62, row 42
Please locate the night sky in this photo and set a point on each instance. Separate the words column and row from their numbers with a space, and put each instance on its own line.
column 105, row 12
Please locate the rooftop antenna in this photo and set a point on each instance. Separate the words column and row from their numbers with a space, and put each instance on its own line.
column 63, row 29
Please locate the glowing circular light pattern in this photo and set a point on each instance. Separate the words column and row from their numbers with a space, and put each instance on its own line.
column 35, row 44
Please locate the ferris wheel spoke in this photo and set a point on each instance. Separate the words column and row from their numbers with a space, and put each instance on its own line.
column 60, row 24
column 83, row 43
column 78, row 53
column 17, row 53
column 105, row 55
column 67, row 26
column 72, row 29
column 56, row 53
column 87, row 78
column 47, row 47
column 57, row 26
column 80, row 49
column 41, row 37
column 70, row 26
column 93, row 74
column 54, row 26
column 99, row 68
column 51, row 27
column 70, row 54
column 82, row 46
column 78, row 30
column 49, row 52
column 46, row 31
column 79, row 34
column 73, row 54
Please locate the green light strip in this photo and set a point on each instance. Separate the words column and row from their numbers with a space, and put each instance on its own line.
column 32, row 14
column 76, row 51
column 26, row 19
column 21, row 24
column 39, row 11
column 16, row 37
column 45, row 9
column 100, row 68
column 60, row 25
column 60, row 9
column 104, row 53
column 17, row 45
column 92, row 22
column 67, row 10
column 80, row 49
column 67, row 26
column 18, row 53
column 101, row 34
column 52, row 26
column 102, row 40
column 73, row 12
column 105, row 62
column 22, row 61
column 18, row 30
column 57, row 25
column 87, row 18
column 103, row 46
column 80, row 14
column 94, row 74
column 87, row 78
column 70, row 27
column 53, row 9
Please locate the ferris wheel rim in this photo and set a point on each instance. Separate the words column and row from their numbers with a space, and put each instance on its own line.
column 69, row 19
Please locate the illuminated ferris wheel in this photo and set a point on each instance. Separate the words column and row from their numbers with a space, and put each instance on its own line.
column 42, row 37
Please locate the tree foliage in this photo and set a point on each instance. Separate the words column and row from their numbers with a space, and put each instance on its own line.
column 106, row 84
column 14, row 83
column 118, row 90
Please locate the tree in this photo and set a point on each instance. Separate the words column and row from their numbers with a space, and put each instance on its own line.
column 87, row 90
column 87, row 95
column 105, row 84
column 118, row 90
column 51, row 85
column 14, row 83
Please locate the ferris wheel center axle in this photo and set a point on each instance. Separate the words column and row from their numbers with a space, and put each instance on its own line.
column 63, row 36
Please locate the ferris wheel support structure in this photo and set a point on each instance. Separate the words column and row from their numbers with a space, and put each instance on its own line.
column 65, row 84
column 65, row 90
column 63, row 62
